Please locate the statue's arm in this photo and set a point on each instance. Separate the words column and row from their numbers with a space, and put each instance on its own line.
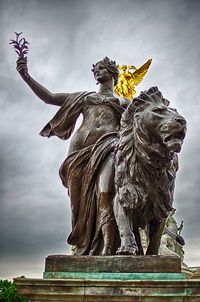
column 44, row 94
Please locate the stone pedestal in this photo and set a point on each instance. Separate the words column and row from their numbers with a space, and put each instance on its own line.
column 112, row 264
column 111, row 279
column 39, row 290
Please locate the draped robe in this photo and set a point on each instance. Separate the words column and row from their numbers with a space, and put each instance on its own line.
column 86, row 232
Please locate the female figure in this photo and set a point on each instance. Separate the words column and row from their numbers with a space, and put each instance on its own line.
column 88, row 171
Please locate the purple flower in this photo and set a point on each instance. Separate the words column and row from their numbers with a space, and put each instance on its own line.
column 20, row 45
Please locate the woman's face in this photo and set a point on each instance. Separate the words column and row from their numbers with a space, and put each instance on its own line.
column 101, row 74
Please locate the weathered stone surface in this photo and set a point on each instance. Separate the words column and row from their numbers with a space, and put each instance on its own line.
column 110, row 264
column 38, row 290
column 114, row 276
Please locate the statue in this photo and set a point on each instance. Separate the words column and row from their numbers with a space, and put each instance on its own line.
column 151, row 135
column 171, row 241
column 129, row 77
column 88, row 172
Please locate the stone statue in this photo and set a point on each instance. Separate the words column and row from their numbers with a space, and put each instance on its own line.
column 171, row 241
column 151, row 135
column 147, row 130
column 88, row 170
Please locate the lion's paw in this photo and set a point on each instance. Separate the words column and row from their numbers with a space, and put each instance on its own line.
column 127, row 250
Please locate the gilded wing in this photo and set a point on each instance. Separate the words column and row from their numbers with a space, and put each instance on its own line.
column 138, row 75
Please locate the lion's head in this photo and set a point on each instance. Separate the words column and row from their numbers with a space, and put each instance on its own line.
column 146, row 161
column 163, row 124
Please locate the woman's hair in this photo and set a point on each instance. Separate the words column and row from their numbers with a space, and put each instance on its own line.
column 111, row 66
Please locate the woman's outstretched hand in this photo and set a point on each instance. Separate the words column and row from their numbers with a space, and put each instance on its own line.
column 22, row 67
column 20, row 46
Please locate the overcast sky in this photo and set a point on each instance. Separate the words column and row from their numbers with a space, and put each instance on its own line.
column 66, row 38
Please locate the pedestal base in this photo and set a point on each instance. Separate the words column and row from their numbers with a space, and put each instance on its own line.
column 113, row 264
column 111, row 279
column 39, row 290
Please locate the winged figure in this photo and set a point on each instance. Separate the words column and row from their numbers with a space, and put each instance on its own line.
column 129, row 77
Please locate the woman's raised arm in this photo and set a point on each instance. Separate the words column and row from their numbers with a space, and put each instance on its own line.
column 44, row 94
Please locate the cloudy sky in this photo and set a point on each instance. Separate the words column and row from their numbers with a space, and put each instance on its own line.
column 66, row 38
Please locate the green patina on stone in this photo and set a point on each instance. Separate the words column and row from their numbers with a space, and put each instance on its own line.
column 114, row 276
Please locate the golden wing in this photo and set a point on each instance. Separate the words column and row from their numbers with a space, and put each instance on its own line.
column 138, row 75
column 131, row 68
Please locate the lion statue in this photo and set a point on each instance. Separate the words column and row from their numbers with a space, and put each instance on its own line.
column 151, row 135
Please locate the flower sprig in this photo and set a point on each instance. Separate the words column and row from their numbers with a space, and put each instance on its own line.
column 20, row 45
